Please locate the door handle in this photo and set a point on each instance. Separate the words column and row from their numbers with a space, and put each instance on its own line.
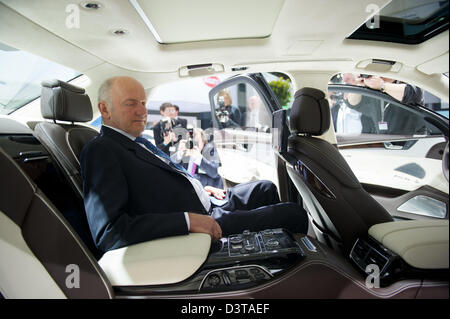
column 390, row 146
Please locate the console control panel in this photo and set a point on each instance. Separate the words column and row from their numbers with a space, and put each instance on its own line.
column 266, row 242
column 248, row 246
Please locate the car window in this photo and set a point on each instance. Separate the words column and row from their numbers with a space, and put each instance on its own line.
column 356, row 112
column 239, row 126
column 242, row 115
column 392, row 147
column 282, row 86
column 413, row 95
column 241, row 106
column 21, row 76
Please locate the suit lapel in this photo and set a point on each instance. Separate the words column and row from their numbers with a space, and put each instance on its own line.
column 136, row 148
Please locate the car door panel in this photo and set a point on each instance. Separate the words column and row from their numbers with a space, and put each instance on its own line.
column 400, row 167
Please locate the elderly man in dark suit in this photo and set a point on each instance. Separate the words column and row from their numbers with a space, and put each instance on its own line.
column 133, row 192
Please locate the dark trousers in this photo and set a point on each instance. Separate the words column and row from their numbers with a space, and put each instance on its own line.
column 256, row 206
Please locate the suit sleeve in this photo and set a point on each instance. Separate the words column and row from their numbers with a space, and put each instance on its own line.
column 106, row 200
column 157, row 134
column 236, row 116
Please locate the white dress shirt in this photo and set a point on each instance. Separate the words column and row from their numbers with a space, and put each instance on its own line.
column 348, row 120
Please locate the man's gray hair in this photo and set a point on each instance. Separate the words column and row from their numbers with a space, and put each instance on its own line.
column 104, row 92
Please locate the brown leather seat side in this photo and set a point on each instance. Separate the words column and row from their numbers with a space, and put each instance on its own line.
column 48, row 235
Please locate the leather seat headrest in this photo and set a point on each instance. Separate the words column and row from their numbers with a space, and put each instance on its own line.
column 65, row 102
column 310, row 112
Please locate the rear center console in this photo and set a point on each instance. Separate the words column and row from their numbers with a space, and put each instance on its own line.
column 274, row 262
column 236, row 262
column 249, row 258
column 249, row 246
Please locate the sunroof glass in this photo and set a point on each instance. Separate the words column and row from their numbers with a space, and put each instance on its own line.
column 406, row 21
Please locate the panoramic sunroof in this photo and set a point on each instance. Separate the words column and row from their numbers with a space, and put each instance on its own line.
column 406, row 21
column 173, row 21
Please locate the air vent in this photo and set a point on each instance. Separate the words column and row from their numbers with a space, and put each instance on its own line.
column 366, row 253
column 374, row 257
column 361, row 249
column 391, row 267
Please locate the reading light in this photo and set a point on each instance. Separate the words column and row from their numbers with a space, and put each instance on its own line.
column 92, row 5
column 119, row 32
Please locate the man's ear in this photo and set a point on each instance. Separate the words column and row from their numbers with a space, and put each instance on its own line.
column 104, row 109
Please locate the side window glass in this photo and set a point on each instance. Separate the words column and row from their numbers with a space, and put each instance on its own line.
column 373, row 105
column 235, row 132
column 241, row 106
column 242, row 123
column 282, row 86
column 360, row 113
column 21, row 76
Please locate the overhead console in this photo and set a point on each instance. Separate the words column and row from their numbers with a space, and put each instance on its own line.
column 404, row 249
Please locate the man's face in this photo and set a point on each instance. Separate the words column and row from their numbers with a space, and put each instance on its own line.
column 169, row 112
column 227, row 100
column 254, row 102
column 128, row 111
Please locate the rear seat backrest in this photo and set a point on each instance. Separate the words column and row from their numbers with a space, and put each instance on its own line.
column 33, row 231
column 61, row 101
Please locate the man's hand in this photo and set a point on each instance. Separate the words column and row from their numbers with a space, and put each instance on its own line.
column 182, row 146
column 216, row 192
column 171, row 137
column 194, row 152
column 204, row 224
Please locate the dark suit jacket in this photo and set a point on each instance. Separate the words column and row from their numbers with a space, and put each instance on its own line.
column 129, row 193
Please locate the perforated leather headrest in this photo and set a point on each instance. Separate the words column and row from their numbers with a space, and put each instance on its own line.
column 65, row 102
column 310, row 112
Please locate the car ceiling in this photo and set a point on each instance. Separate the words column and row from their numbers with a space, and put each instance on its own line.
column 228, row 33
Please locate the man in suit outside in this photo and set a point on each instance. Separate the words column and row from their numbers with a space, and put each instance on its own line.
column 170, row 129
column 133, row 192
column 201, row 159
